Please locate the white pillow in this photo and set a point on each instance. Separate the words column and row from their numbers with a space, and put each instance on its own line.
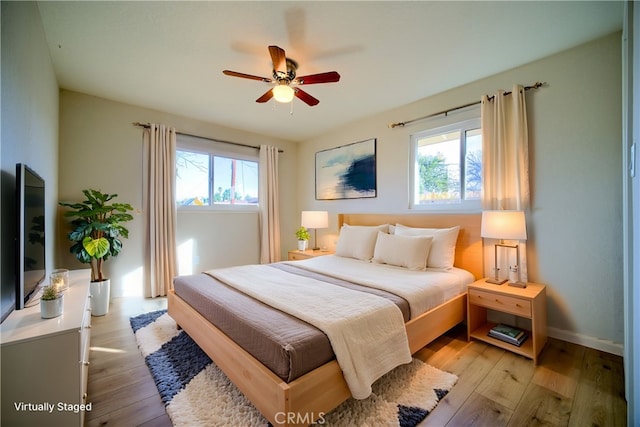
column 358, row 241
column 402, row 251
column 443, row 247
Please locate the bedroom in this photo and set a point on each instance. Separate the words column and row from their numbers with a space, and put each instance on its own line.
column 59, row 124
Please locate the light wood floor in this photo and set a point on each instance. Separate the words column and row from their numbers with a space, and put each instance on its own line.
column 571, row 386
column 120, row 385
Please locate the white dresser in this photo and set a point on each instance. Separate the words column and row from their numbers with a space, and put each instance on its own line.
column 45, row 361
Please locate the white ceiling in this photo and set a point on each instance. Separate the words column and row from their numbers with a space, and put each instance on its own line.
column 169, row 55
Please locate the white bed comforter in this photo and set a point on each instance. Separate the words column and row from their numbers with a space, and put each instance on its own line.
column 423, row 289
column 366, row 332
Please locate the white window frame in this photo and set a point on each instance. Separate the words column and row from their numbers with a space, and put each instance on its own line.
column 461, row 206
column 219, row 149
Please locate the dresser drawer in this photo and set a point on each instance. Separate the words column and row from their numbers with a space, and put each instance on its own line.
column 503, row 303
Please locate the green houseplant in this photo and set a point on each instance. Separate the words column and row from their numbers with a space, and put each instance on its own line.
column 303, row 237
column 50, row 302
column 97, row 230
column 49, row 293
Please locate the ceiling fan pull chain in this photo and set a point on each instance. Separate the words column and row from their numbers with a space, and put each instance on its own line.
column 291, row 111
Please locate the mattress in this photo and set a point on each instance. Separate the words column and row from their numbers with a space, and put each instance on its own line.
column 283, row 343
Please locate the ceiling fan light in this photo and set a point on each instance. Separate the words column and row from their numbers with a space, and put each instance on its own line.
column 283, row 93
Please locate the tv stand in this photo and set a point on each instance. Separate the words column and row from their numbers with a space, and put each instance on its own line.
column 45, row 362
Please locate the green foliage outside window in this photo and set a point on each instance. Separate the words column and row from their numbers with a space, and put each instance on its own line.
column 433, row 174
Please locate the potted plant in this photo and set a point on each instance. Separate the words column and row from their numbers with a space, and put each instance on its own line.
column 50, row 302
column 96, row 237
column 303, row 238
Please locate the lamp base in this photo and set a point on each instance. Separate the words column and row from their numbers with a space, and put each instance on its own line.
column 495, row 281
column 518, row 284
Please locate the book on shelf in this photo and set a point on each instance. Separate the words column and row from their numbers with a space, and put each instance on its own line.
column 508, row 334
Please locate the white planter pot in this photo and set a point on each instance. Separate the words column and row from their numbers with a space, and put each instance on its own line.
column 51, row 308
column 302, row 245
column 100, row 294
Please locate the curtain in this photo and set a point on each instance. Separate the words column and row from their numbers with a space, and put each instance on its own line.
column 159, row 201
column 505, row 152
column 269, row 202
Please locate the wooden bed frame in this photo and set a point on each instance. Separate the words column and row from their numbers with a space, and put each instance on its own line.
column 309, row 397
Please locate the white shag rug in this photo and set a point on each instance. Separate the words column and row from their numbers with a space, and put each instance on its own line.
column 196, row 393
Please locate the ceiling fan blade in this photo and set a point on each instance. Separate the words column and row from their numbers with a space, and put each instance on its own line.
column 266, row 97
column 246, row 76
column 305, row 97
column 279, row 59
column 329, row 77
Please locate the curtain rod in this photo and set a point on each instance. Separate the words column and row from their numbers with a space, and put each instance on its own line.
column 536, row 85
column 147, row 125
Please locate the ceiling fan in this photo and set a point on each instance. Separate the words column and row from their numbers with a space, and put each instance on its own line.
column 286, row 81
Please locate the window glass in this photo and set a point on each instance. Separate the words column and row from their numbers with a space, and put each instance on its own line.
column 192, row 178
column 235, row 181
column 438, row 168
column 209, row 174
column 446, row 167
column 473, row 165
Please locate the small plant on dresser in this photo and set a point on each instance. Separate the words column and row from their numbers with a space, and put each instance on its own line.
column 51, row 302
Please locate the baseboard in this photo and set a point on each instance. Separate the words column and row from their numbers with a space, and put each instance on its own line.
column 587, row 341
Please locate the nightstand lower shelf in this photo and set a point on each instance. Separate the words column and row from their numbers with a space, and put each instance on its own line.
column 481, row 334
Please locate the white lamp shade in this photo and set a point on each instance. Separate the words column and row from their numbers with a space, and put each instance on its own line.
column 507, row 225
column 283, row 93
column 315, row 219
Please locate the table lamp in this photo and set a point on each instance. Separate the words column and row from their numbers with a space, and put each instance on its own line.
column 315, row 220
column 504, row 225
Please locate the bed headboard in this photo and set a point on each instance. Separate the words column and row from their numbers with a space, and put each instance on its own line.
column 468, row 247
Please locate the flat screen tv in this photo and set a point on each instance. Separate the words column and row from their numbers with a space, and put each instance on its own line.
column 30, row 233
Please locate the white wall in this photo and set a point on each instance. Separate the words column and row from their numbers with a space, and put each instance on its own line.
column 29, row 122
column 231, row 240
column 100, row 148
column 631, row 133
column 574, row 223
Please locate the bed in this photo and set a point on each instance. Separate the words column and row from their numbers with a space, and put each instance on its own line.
column 287, row 401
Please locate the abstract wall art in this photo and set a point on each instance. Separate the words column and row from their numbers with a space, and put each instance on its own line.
column 347, row 172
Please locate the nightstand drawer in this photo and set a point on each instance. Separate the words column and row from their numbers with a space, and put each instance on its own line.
column 309, row 253
column 503, row 303
column 296, row 256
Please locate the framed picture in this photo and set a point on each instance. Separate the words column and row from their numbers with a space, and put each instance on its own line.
column 347, row 172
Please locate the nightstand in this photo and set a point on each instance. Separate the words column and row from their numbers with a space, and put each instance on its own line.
column 529, row 303
column 296, row 255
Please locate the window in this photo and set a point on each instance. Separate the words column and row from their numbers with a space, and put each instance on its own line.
column 207, row 175
column 446, row 167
